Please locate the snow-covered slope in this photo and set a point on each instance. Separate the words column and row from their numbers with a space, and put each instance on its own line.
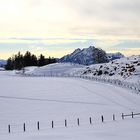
column 127, row 68
column 58, row 69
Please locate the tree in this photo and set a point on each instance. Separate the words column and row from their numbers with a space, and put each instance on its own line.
column 41, row 60
column 27, row 59
column 50, row 60
column 9, row 65
column 20, row 61
column 34, row 60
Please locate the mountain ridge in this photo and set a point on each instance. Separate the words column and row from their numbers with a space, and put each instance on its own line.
column 85, row 56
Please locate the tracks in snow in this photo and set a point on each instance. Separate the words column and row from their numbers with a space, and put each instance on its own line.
column 50, row 100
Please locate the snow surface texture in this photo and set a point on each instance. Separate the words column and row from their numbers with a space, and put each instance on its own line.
column 32, row 99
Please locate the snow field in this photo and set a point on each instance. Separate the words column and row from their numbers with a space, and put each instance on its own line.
column 31, row 99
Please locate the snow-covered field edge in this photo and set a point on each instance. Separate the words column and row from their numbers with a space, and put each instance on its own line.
column 117, row 82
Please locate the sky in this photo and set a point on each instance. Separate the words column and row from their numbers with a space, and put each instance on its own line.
column 57, row 27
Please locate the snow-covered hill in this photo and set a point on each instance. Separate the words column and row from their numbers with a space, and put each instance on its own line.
column 56, row 69
column 127, row 68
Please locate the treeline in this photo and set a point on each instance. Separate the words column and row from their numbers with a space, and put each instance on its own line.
column 20, row 61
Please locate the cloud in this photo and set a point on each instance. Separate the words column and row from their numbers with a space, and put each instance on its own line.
column 127, row 47
column 127, row 44
column 53, row 25
column 34, row 3
column 39, row 18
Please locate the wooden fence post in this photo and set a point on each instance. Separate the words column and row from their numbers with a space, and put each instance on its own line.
column 38, row 125
column 90, row 120
column 122, row 116
column 132, row 115
column 65, row 123
column 52, row 124
column 78, row 121
column 24, row 128
column 113, row 117
column 102, row 117
column 9, row 128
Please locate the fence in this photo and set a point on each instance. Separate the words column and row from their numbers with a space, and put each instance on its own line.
column 130, row 115
column 65, row 123
column 132, row 86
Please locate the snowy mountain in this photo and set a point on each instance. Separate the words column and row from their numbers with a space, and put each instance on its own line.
column 85, row 56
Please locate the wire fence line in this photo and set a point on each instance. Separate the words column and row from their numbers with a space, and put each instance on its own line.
column 65, row 123
column 124, row 84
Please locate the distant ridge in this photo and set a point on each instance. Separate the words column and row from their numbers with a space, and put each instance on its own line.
column 113, row 56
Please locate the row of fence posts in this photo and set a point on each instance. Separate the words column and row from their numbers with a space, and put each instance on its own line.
column 78, row 121
column 132, row 115
column 65, row 123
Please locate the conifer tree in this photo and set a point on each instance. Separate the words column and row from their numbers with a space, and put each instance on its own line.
column 41, row 60
column 9, row 65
